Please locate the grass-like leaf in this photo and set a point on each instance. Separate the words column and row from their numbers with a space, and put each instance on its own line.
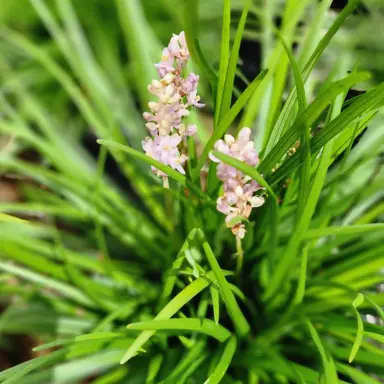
column 11, row 219
column 360, row 327
column 224, row 58
column 204, row 326
column 233, row 60
column 149, row 160
column 308, row 117
column 226, row 121
column 216, row 304
column 219, row 372
column 136, row 31
column 65, row 289
column 82, row 338
column 168, row 311
column 239, row 321
column 281, row 124
column 330, row 373
column 358, row 230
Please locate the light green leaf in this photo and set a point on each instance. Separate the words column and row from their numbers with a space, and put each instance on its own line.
column 330, row 372
column 360, row 327
column 239, row 321
column 219, row 372
column 226, row 121
column 215, row 303
column 187, row 294
column 347, row 230
column 11, row 219
column 224, row 57
column 233, row 60
column 205, row 326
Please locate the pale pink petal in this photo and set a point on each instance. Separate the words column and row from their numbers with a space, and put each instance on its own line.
column 191, row 130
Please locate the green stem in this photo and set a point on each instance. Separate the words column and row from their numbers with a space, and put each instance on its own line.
column 239, row 256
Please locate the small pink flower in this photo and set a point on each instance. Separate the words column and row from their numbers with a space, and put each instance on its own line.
column 222, row 205
column 226, row 172
column 193, row 99
column 191, row 130
column 166, row 64
column 239, row 231
column 178, row 48
column 190, row 83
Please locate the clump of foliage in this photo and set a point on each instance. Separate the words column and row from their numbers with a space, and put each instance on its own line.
column 94, row 242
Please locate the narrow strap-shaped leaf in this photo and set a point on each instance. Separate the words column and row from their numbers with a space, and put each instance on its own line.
column 239, row 321
column 149, row 160
column 293, row 162
column 375, row 336
column 209, row 72
column 281, row 124
column 233, row 60
column 356, row 374
column 224, row 58
column 205, row 326
column 62, row 76
column 34, row 261
column 365, row 103
column 360, row 327
column 187, row 294
column 216, row 304
column 140, row 43
column 196, row 351
column 14, row 374
column 308, row 117
column 79, row 280
column 328, row 366
column 300, row 291
column 218, row 373
column 171, row 279
column 64, row 289
column 283, row 268
column 346, row 230
column 379, row 310
column 11, row 219
column 248, row 170
column 82, row 338
column 226, row 121
column 299, row 82
column 154, row 368
column 305, row 146
column 191, row 28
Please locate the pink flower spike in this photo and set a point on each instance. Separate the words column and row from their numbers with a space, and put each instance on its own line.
column 238, row 199
column 175, row 95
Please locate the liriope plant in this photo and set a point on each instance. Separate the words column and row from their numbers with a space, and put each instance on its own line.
column 243, row 250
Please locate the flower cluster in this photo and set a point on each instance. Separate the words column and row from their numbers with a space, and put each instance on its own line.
column 176, row 95
column 238, row 199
